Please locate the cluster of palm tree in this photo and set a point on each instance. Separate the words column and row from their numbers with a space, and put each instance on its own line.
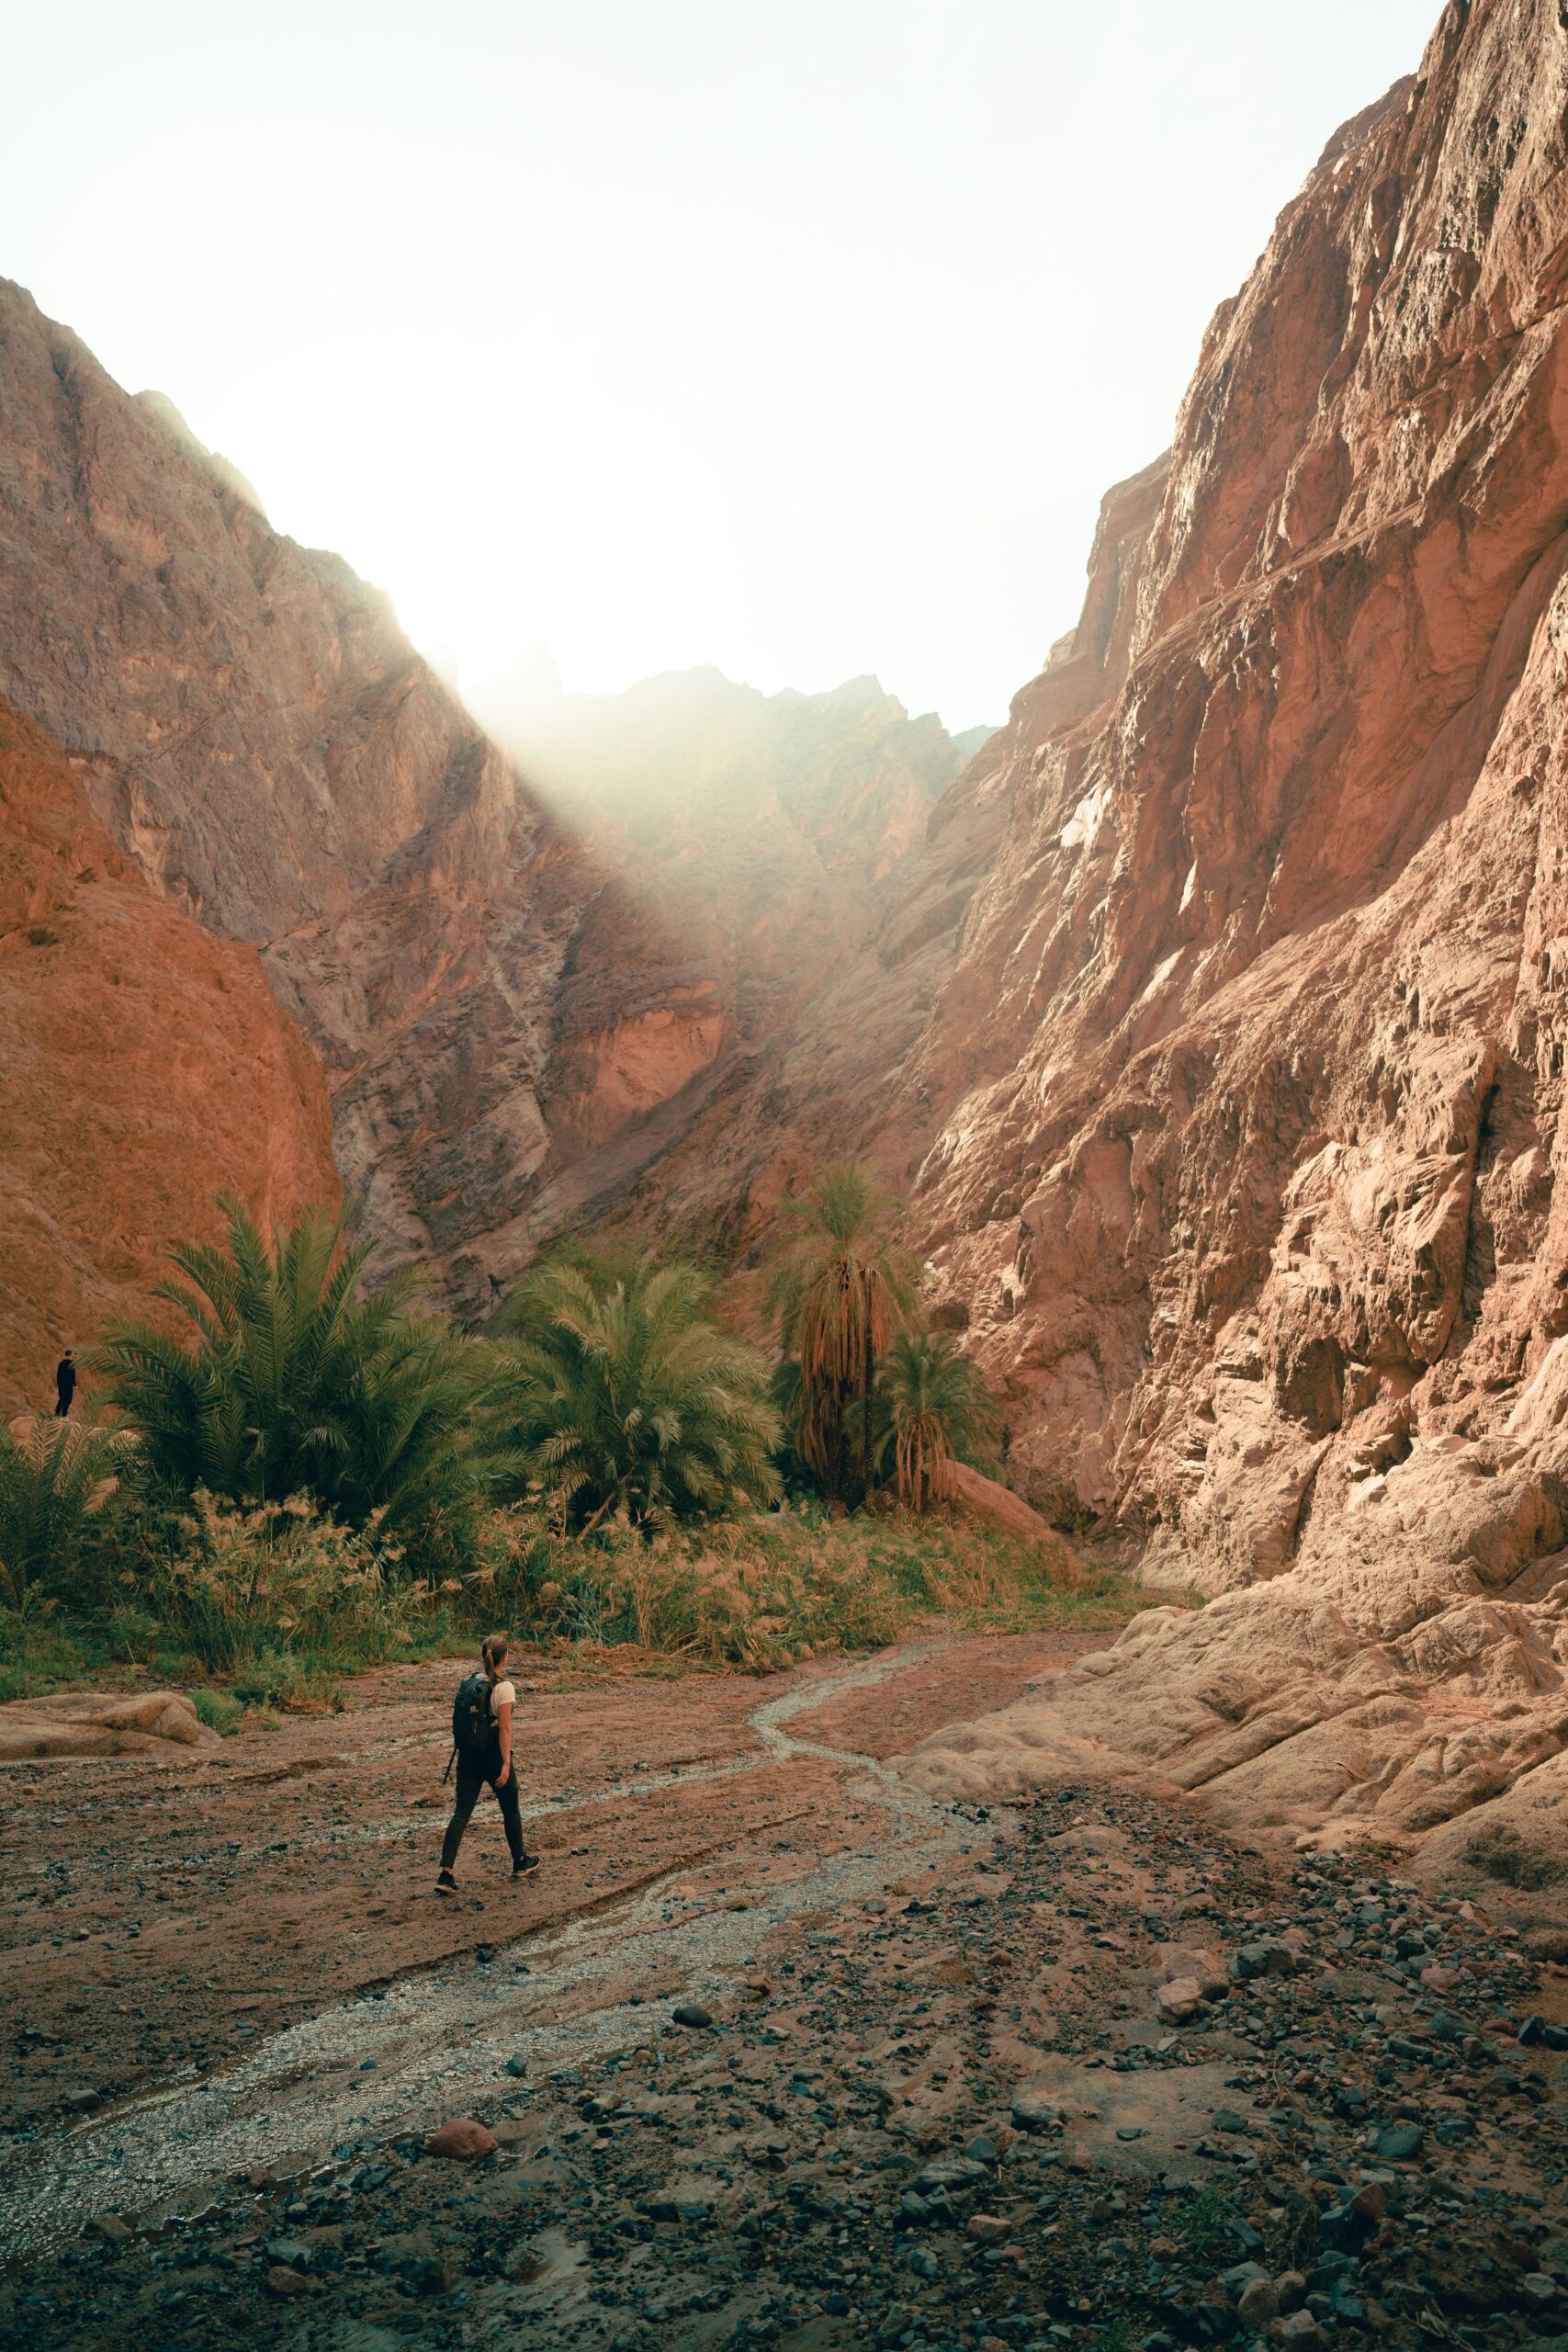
column 862, row 1383
column 614, row 1390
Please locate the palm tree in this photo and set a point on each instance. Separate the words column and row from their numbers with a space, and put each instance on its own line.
column 55, row 1479
column 617, row 1394
column 840, row 1284
column 295, row 1385
column 938, row 1411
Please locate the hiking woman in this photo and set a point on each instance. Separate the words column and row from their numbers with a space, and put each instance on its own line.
column 481, row 1741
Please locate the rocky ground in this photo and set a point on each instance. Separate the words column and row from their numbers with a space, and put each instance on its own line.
column 1081, row 2070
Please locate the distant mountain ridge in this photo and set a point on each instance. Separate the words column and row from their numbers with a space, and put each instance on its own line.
column 498, row 1015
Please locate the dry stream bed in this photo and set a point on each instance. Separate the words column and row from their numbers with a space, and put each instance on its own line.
column 937, row 2101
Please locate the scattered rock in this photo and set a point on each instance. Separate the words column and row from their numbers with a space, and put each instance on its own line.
column 1033, row 2111
column 988, row 2229
column 462, row 2139
column 1181, row 2000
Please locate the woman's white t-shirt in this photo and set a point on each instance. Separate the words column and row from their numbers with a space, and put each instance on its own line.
column 502, row 1694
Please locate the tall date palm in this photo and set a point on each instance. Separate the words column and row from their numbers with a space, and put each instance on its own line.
column 937, row 1412
column 840, row 1284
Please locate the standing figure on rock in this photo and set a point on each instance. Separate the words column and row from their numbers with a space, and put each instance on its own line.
column 481, row 1743
column 64, row 1385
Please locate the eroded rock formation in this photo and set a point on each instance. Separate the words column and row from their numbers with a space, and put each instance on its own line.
column 1259, row 1211
column 758, row 841
column 145, row 1068
column 512, row 1038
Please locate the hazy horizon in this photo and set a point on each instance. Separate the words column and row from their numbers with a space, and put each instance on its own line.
column 802, row 344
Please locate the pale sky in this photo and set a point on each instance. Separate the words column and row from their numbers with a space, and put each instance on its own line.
column 797, row 337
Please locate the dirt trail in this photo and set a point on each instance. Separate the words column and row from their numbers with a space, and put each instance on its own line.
column 161, row 1922
column 932, row 2096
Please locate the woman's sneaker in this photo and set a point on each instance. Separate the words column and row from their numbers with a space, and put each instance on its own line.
column 446, row 1884
column 526, row 1867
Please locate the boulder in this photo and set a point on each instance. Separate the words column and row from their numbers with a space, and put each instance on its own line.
column 83, row 1722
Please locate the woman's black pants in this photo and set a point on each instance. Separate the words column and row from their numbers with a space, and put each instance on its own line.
column 471, row 1778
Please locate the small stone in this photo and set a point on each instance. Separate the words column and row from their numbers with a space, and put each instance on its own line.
column 284, row 2281
column 517, row 2067
column 989, row 2229
column 1300, row 2331
column 114, row 2227
column 1205, row 1969
column 1236, row 2280
column 691, row 2013
column 1532, row 2030
column 1269, row 1957
column 982, row 2150
column 84, row 2102
column 1546, row 1943
column 1371, row 2202
column 1399, row 2143
column 463, row 2139
column 1180, row 2001
column 1033, row 2111
column 1079, row 2156
column 1258, row 2304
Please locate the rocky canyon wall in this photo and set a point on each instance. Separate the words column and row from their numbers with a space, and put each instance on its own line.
column 514, row 1038
column 144, row 1068
column 1259, row 1210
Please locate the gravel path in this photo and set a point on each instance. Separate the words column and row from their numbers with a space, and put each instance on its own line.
column 1079, row 2072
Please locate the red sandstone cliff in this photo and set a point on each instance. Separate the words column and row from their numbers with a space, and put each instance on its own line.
column 1258, row 1207
column 513, row 1036
column 145, row 1068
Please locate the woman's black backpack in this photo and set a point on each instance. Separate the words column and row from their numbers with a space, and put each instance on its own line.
column 475, row 1735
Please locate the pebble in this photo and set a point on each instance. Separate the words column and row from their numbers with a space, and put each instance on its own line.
column 463, row 2139
column 1181, row 2000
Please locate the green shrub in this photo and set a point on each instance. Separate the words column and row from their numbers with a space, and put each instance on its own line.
column 57, row 1483
column 280, row 1584
column 293, row 1385
column 767, row 1589
column 218, row 1711
column 617, row 1394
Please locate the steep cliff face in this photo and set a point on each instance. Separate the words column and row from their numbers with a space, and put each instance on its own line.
column 145, row 1068
column 519, row 1026
column 765, row 829
column 761, row 837
column 253, row 729
column 1259, row 1210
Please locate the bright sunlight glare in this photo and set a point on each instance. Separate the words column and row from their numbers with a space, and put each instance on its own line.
column 802, row 340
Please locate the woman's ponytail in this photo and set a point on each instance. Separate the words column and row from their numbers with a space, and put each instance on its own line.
column 492, row 1650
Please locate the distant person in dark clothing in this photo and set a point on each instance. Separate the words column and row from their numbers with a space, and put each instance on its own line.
column 65, row 1385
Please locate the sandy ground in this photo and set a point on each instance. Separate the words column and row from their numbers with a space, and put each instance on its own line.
column 157, row 1917
column 776, row 2053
